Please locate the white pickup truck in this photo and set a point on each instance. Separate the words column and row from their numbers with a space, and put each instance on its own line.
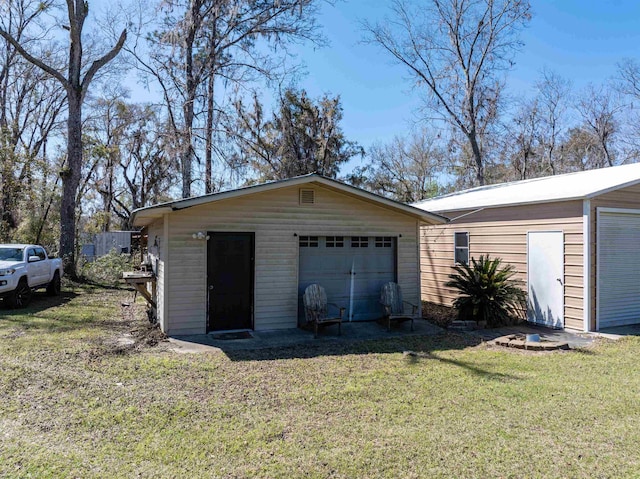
column 24, row 268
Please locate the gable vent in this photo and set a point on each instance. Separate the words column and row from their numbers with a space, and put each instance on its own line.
column 307, row 197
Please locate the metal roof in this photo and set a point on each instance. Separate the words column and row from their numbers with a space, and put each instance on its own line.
column 570, row 186
column 146, row 215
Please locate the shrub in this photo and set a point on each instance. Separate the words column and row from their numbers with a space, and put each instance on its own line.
column 488, row 292
column 106, row 270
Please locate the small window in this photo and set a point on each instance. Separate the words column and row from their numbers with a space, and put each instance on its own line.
column 308, row 241
column 461, row 245
column 359, row 241
column 335, row 242
column 40, row 253
column 383, row 241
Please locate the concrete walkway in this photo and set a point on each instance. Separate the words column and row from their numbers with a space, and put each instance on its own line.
column 355, row 331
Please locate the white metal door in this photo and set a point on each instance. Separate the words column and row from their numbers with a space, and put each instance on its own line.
column 545, row 273
column 618, row 267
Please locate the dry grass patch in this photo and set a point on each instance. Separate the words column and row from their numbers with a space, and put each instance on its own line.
column 76, row 403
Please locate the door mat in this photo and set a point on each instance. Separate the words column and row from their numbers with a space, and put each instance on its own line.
column 238, row 335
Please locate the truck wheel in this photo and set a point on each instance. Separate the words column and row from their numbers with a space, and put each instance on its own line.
column 21, row 296
column 53, row 288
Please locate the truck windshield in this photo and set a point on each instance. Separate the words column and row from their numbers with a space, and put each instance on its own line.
column 10, row 254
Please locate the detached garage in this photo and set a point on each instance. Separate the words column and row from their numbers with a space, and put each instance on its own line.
column 241, row 259
column 573, row 238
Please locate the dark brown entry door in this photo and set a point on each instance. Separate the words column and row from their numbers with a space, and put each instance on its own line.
column 230, row 280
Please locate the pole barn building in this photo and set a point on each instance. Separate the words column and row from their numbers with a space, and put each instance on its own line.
column 574, row 239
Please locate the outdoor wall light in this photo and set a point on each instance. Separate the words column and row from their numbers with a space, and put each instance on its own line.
column 200, row 235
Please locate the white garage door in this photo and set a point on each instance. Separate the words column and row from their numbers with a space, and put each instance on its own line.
column 618, row 268
column 330, row 262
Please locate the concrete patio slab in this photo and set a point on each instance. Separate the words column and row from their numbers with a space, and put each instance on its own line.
column 355, row 331
column 371, row 330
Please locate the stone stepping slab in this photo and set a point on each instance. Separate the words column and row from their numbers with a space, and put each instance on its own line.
column 519, row 342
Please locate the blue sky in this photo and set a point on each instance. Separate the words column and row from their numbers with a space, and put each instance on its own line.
column 580, row 40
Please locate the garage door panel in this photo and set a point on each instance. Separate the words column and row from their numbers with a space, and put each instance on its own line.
column 618, row 269
column 331, row 266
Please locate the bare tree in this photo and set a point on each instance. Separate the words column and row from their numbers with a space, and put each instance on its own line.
column 628, row 85
column 146, row 170
column 580, row 151
column 126, row 165
column 104, row 129
column 553, row 96
column 522, row 141
column 629, row 77
column 76, row 84
column 599, row 108
column 456, row 50
column 203, row 42
column 406, row 169
column 30, row 106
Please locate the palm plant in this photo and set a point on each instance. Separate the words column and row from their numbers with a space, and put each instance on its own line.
column 487, row 291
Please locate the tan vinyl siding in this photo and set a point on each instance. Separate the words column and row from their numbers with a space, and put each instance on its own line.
column 274, row 216
column 627, row 198
column 502, row 232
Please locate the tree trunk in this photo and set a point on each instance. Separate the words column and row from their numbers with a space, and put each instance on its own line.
column 477, row 156
column 186, row 151
column 70, row 182
column 193, row 19
column 108, row 198
column 607, row 155
column 208, row 185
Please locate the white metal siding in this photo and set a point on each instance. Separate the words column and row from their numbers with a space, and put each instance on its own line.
column 274, row 216
column 618, row 268
column 112, row 240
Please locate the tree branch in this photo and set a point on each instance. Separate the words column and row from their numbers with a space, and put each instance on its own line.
column 35, row 61
column 96, row 65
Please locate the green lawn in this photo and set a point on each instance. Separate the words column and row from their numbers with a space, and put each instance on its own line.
column 74, row 402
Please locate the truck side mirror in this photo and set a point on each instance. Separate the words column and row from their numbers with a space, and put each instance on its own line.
column 33, row 259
